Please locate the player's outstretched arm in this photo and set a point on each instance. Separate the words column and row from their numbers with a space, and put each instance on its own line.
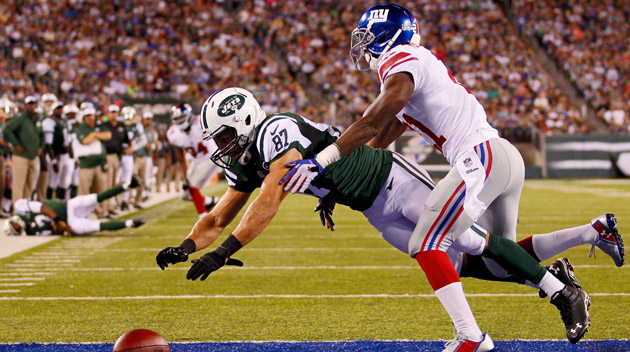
column 254, row 221
column 206, row 230
column 376, row 121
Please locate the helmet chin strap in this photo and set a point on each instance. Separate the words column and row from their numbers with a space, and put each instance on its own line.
column 374, row 63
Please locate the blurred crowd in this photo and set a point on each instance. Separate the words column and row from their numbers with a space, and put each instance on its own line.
column 94, row 51
column 473, row 38
column 590, row 40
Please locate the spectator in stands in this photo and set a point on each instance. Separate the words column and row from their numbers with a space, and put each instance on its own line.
column 23, row 133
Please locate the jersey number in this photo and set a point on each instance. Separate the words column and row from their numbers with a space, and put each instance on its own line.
column 201, row 149
column 279, row 142
column 411, row 122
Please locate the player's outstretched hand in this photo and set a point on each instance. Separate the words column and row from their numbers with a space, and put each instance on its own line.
column 302, row 172
column 171, row 255
column 208, row 263
column 325, row 208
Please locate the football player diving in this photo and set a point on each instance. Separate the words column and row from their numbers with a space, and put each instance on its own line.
column 67, row 218
column 385, row 186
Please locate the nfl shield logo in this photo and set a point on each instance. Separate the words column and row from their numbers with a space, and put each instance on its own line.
column 468, row 162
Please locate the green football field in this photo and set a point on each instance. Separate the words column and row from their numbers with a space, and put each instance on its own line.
column 300, row 281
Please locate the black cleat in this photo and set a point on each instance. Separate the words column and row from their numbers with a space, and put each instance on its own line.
column 563, row 271
column 139, row 222
column 573, row 304
column 124, row 206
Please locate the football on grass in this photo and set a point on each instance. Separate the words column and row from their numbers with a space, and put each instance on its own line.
column 141, row 340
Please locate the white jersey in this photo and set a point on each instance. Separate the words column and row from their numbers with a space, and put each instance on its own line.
column 442, row 110
column 191, row 141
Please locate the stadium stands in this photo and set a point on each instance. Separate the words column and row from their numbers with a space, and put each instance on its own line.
column 282, row 50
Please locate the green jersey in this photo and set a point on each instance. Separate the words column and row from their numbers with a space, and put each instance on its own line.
column 36, row 222
column 355, row 180
column 90, row 155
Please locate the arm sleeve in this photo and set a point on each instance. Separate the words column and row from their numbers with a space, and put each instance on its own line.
column 9, row 131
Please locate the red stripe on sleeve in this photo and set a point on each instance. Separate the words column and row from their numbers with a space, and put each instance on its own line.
column 390, row 61
column 396, row 64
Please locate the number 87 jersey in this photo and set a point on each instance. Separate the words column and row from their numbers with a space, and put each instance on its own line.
column 191, row 141
column 441, row 109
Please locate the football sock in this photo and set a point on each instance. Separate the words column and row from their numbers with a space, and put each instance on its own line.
column 514, row 258
column 549, row 245
column 476, row 267
column 49, row 193
column 198, row 199
column 445, row 282
column 109, row 193
column 550, row 284
column 114, row 225
column 73, row 191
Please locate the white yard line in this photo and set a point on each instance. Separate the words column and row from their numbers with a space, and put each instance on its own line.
column 93, row 298
column 15, row 284
column 2, row 279
column 9, row 291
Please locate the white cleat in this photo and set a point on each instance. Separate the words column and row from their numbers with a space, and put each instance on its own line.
column 609, row 239
column 462, row 344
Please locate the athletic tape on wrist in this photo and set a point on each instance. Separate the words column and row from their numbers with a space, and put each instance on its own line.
column 329, row 155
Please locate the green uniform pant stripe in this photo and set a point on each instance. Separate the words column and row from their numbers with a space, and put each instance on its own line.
column 413, row 170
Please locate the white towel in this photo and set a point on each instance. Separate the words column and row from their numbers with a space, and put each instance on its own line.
column 472, row 172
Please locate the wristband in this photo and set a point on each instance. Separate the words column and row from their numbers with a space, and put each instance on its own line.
column 189, row 246
column 228, row 247
column 329, row 155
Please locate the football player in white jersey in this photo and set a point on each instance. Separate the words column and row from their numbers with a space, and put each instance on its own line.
column 185, row 135
column 483, row 185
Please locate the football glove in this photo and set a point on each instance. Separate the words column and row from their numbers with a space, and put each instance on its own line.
column 171, row 255
column 208, row 263
column 325, row 208
column 302, row 172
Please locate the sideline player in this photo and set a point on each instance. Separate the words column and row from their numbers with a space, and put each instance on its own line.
column 185, row 135
column 67, row 218
column 381, row 184
column 486, row 176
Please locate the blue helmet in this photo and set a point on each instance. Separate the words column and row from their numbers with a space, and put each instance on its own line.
column 380, row 28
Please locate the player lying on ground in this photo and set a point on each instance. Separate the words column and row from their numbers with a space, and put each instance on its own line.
column 185, row 135
column 385, row 186
column 52, row 217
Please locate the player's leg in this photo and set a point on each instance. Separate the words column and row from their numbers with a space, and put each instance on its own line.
column 66, row 168
column 198, row 175
column 126, row 171
column 601, row 232
column 53, row 178
column 82, row 226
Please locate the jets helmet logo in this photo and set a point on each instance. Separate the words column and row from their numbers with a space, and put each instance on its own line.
column 379, row 15
column 230, row 105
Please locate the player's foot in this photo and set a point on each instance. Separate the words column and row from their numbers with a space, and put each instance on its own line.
column 211, row 205
column 139, row 222
column 111, row 216
column 563, row 271
column 609, row 239
column 113, row 212
column 138, row 206
column 124, row 206
column 573, row 304
column 462, row 344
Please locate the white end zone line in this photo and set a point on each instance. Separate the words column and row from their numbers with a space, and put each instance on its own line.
column 114, row 298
